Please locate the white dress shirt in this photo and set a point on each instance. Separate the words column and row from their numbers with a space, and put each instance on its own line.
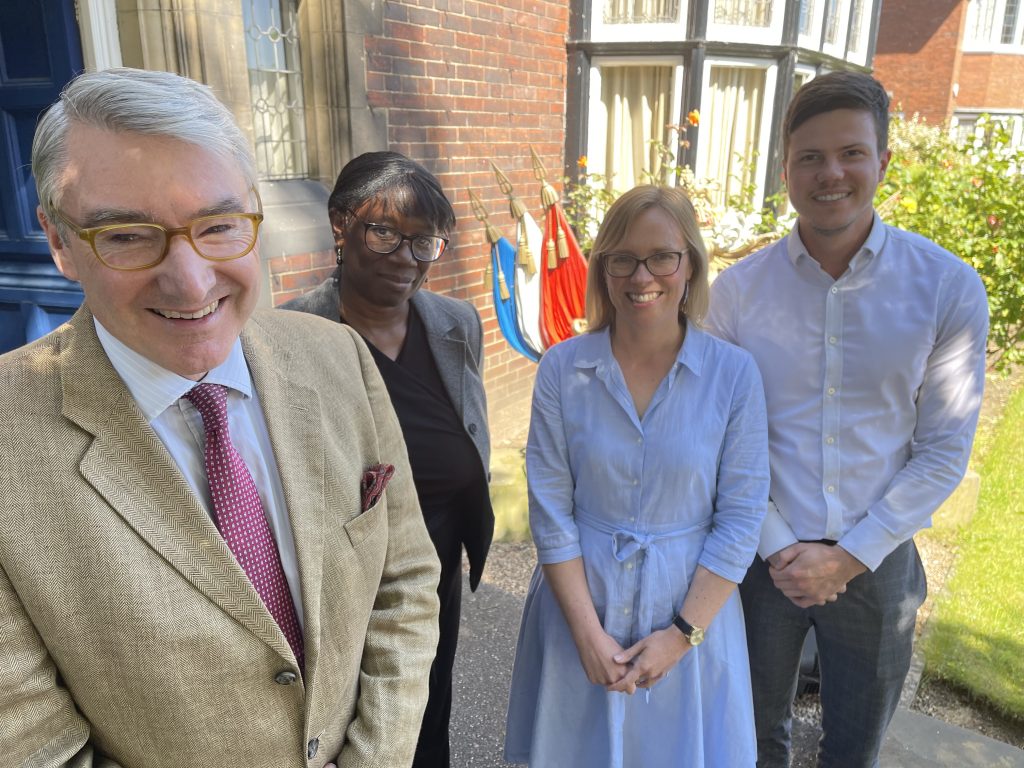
column 158, row 393
column 873, row 384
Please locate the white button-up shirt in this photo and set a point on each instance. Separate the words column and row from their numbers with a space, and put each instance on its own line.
column 179, row 426
column 873, row 384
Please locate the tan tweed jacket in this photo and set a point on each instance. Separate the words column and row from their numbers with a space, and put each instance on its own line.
column 130, row 636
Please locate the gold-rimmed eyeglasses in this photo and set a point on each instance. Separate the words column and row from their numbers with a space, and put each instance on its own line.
column 132, row 246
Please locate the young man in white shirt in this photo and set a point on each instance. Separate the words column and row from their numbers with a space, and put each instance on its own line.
column 871, row 342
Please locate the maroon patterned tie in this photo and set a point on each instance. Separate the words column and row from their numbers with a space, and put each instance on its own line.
column 239, row 515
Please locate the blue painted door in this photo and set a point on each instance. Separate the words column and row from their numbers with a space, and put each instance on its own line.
column 40, row 51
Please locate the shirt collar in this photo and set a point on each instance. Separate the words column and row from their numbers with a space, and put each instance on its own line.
column 595, row 350
column 155, row 388
column 871, row 248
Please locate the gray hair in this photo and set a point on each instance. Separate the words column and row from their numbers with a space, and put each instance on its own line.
column 134, row 101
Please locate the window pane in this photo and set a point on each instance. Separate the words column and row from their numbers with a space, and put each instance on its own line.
column 857, row 24
column 275, row 86
column 637, row 101
column 737, row 95
column 806, row 16
column 641, row 11
column 831, row 21
column 748, row 13
column 984, row 20
column 1009, row 21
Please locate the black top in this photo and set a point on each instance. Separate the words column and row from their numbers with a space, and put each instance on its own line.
column 445, row 463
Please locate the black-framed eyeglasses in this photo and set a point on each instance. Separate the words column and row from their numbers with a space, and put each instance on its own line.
column 382, row 239
column 658, row 264
column 128, row 247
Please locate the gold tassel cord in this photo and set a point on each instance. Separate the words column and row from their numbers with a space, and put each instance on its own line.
column 502, row 288
column 548, row 195
column 515, row 205
column 563, row 245
column 552, row 258
column 525, row 254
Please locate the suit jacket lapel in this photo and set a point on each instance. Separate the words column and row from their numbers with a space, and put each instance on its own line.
column 448, row 348
column 128, row 465
column 294, row 422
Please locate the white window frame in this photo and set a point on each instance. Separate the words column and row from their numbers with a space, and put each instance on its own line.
column 633, row 33
column 735, row 33
column 767, row 116
column 101, row 46
column 838, row 48
column 1013, row 117
column 597, row 115
column 994, row 44
column 812, row 40
column 861, row 56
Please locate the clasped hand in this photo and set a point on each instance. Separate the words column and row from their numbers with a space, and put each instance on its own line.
column 641, row 665
column 809, row 573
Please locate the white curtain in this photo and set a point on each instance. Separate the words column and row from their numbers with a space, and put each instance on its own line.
column 640, row 11
column 751, row 13
column 730, row 128
column 637, row 100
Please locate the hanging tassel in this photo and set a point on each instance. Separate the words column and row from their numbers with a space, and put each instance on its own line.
column 548, row 195
column 502, row 288
column 563, row 245
column 525, row 254
column 487, row 274
column 552, row 259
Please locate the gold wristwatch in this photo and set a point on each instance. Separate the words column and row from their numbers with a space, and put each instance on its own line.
column 694, row 635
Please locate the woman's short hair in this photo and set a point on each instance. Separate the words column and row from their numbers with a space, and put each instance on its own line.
column 397, row 183
column 614, row 228
column 134, row 101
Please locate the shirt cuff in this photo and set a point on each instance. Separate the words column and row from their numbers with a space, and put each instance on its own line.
column 559, row 554
column 870, row 542
column 775, row 533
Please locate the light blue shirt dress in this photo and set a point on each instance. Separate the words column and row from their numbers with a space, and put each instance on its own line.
column 643, row 501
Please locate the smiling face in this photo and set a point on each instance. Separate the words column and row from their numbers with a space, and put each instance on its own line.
column 382, row 280
column 185, row 313
column 832, row 171
column 644, row 301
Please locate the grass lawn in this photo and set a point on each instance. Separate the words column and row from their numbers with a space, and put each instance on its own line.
column 975, row 637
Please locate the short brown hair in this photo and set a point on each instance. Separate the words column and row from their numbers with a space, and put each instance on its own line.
column 839, row 90
column 622, row 213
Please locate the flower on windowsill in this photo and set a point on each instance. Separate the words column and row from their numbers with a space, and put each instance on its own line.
column 693, row 117
column 582, row 162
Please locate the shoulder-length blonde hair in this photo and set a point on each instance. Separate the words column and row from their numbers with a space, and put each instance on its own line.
column 622, row 213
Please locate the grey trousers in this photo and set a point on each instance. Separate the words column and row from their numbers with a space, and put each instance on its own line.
column 865, row 640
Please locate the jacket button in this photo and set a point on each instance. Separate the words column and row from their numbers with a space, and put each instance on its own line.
column 314, row 745
column 287, row 677
column 472, row 429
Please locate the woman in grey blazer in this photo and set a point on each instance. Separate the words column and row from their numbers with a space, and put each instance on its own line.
column 391, row 221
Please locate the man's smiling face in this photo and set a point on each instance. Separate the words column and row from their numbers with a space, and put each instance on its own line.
column 833, row 168
column 185, row 313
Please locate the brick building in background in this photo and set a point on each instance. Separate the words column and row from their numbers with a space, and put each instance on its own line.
column 453, row 84
column 952, row 60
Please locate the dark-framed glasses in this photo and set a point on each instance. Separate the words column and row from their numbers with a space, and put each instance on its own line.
column 127, row 247
column 383, row 239
column 658, row 264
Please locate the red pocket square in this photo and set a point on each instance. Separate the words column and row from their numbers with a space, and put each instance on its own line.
column 375, row 480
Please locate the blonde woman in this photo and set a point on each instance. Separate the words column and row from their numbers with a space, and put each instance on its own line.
column 647, row 463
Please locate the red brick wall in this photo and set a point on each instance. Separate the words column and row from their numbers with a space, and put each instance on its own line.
column 991, row 81
column 465, row 82
column 917, row 56
column 291, row 276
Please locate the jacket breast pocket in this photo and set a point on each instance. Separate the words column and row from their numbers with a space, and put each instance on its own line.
column 368, row 525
